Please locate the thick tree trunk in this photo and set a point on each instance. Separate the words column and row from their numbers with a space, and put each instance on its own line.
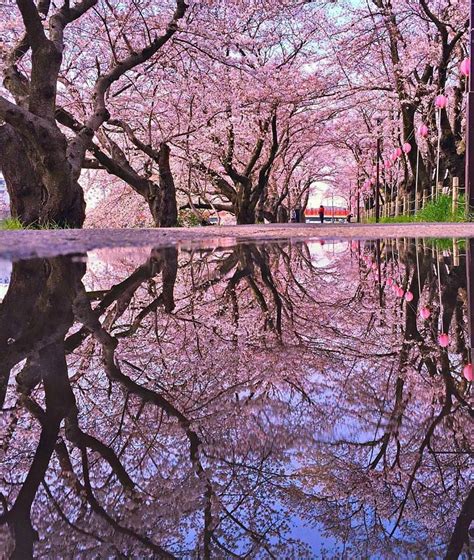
column 42, row 190
column 47, row 290
column 453, row 161
column 282, row 215
column 163, row 206
column 245, row 214
column 244, row 208
column 408, row 117
column 22, row 182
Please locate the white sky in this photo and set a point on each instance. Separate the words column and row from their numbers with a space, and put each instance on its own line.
column 322, row 193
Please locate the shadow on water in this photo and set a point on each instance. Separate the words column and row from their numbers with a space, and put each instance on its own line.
column 258, row 401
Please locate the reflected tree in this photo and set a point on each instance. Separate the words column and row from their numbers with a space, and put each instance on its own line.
column 201, row 404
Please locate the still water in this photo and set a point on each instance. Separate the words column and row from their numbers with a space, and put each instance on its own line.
column 284, row 401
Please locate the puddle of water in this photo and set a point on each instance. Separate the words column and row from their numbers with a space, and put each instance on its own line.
column 274, row 400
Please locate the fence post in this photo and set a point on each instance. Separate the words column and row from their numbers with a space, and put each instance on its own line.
column 419, row 202
column 425, row 198
column 455, row 194
column 455, row 251
column 439, row 189
column 397, row 206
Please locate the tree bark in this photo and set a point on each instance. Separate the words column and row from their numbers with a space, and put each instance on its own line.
column 163, row 206
column 23, row 186
column 244, row 211
column 42, row 189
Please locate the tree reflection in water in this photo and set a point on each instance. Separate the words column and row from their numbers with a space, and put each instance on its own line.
column 209, row 401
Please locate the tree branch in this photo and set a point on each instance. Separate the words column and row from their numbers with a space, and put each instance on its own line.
column 32, row 22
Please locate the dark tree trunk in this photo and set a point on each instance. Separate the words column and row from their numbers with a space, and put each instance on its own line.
column 244, row 207
column 170, row 271
column 22, row 183
column 408, row 116
column 161, row 198
column 282, row 215
column 453, row 161
column 42, row 190
column 245, row 215
column 163, row 206
column 460, row 535
column 46, row 289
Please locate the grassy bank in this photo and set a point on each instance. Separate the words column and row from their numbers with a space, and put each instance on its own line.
column 439, row 210
column 14, row 223
column 11, row 223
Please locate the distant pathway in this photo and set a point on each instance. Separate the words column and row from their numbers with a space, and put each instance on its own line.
column 29, row 243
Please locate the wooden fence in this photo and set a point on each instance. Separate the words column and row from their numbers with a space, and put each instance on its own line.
column 406, row 206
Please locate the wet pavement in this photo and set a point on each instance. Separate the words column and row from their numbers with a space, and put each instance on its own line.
column 44, row 243
column 235, row 398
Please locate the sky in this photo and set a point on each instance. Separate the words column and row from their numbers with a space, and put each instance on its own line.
column 321, row 193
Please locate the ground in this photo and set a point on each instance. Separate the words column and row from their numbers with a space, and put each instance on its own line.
column 43, row 243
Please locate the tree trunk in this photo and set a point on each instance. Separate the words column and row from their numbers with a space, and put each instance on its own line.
column 42, row 190
column 245, row 214
column 408, row 117
column 47, row 290
column 243, row 205
column 282, row 215
column 164, row 208
column 453, row 161
column 23, row 186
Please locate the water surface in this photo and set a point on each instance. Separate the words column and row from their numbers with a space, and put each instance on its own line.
column 271, row 400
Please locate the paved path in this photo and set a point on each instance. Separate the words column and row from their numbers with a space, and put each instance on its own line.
column 30, row 243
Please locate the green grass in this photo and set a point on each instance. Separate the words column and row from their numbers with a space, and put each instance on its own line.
column 15, row 224
column 10, row 224
column 187, row 218
column 445, row 244
column 440, row 210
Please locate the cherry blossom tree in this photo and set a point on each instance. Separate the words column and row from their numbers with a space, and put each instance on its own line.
column 399, row 57
column 45, row 187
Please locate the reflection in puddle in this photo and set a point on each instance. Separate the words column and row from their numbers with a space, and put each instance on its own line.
column 256, row 401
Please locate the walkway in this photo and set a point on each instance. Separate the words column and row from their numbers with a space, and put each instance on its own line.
column 30, row 243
